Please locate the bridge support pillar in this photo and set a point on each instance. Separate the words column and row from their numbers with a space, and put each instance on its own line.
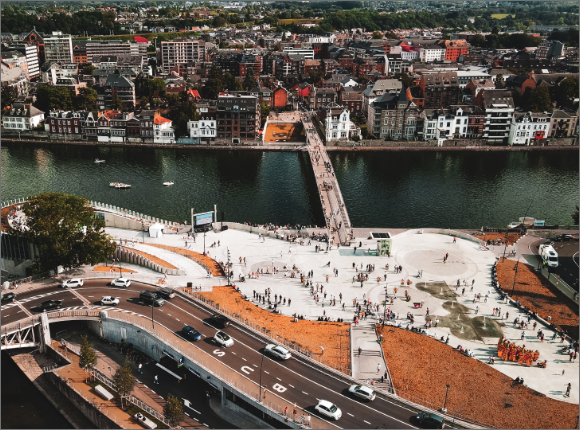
column 44, row 328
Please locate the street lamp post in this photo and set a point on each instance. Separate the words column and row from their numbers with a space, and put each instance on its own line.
column 445, row 403
column 261, row 363
column 516, row 274
column 204, row 242
column 152, row 320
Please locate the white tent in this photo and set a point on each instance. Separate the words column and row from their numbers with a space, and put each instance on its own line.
column 156, row 230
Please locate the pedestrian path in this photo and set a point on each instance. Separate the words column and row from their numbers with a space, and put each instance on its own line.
column 368, row 363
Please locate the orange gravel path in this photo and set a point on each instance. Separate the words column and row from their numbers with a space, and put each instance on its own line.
column 156, row 260
column 512, row 237
column 421, row 367
column 535, row 292
column 333, row 336
column 215, row 268
column 108, row 269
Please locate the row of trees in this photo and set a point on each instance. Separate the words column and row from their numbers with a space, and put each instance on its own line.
column 49, row 98
column 15, row 20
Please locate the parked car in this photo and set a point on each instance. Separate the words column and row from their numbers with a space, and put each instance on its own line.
column 109, row 300
column 166, row 293
column 51, row 304
column 72, row 283
column 223, row 339
column 219, row 320
column 278, row 351
column 564, row 238
column 191, row 333
column 121, row 282
column 8, row 297
column 362, row 392
column 328, row 409
column 431, row 420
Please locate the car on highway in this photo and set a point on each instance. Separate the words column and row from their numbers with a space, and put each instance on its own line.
column 219, row 320
column 149, row 297
column 121, row 282
column 277, row 351
column 166, row 293
column 433, row 421
column 564, row 238
column 8, row 297
column 191, row 333
column 223, row 339
column 362, row 392
column 109, row 300
column 72, row 283
column 328, row 409
column 50, row 304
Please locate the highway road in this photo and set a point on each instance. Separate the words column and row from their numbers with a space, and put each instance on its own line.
column 294, row 380
column 567, row 260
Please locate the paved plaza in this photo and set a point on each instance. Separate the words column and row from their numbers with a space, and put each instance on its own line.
column 469, row 324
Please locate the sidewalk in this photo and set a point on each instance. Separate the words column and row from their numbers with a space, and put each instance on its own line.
column 365, row 364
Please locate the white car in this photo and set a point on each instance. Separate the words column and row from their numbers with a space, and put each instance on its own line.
column 223, row 339
column 121, row 282
column 330, row 410
column 72, row 283
column 278, row 351
column 362, row 392
column 110, row 300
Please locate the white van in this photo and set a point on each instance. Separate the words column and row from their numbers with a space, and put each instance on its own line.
column 549, row 255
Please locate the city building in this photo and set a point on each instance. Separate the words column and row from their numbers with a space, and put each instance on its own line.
column 99, row 48
column 394, row 116
column 455, row 48
column 338, row 125
column 563, row 124
column 308, row 53
column 16, row 59
column 527, row 127
column 179, row 52
column 80, row 52
column 34, row 38
column 440, row 90
column 238, row 117
column 163, row 133
column 431, row 53
column 202, row 130
column 122, row 87
column 499, row 110
column 21, row 116
column 58, row 48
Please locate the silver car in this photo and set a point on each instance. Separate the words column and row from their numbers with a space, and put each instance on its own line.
column 362, row 392
column 328, row 409
column 278, row 351
column 223, row 339
column 121, row 282
column 110, row 300
column 72, row 283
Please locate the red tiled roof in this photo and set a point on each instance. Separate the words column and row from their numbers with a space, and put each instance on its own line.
column 194, row 94
column 161, row 120
column 140, row 39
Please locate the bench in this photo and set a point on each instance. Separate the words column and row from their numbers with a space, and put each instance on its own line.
column 103, row 393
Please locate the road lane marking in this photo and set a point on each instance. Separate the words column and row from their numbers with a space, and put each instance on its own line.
column 292, row 386
column 196, row 419
column 350, row 414
column 244, row 359
column 265, row 371
column 278, row 379
column 168, row 371
column 186, row 413
column 234, row 353
column 177, row 319
column 366, row 421
column 304, row 392
column 255, row 365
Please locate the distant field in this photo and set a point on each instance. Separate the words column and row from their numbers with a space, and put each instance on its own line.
column 500, row 15
column 299, row 21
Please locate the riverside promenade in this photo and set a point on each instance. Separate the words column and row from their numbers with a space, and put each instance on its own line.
column 335, row 213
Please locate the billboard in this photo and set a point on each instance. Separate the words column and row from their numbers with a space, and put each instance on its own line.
column 203, row 219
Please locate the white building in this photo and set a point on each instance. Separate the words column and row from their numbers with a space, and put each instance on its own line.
column 499, row 111
column 21, row 116
column 202, row 130
column 338, row 125
column 162, row 131
column 527, row 127
column 430, row 53
column 58, row 47
column 307, row 52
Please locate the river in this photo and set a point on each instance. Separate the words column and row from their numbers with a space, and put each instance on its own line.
column 381, row 189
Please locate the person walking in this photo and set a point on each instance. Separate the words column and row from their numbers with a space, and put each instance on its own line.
column 463, row 292
column 156, row 380
column 308, row 420
column 568, row 389
column 378, row 368
column 476, row 310
column 140, row 368
column 523, row 335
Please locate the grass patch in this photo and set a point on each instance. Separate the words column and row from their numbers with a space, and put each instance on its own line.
column 134, row 410
column 500, row 15
column 299, row 21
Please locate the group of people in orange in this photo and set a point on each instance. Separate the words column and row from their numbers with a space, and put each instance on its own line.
column 508, row 350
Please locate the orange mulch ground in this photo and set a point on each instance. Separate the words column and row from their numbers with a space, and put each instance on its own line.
column 284, row 133
column 333, row 336
column 421, row 367
column 215, row 268
column 512, row 237
column 156, row 260
column 108, row 269
column 535, row 292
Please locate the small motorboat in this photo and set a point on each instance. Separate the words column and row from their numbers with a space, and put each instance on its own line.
column 168, row 184
column 119, row 185
column 97, row 161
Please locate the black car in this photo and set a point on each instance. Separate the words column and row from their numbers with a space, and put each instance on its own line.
column 166, row 293
column 51, row 304
column 8, row 297
column 564, row 238
column 219, row 320
column 431, row 420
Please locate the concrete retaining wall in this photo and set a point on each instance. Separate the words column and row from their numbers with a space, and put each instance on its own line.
column 127, row 255
column 115, row 330
column 455, row 233
column 113, row 220
column 87, row 409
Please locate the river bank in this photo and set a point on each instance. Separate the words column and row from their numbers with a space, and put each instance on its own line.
column 299, row 147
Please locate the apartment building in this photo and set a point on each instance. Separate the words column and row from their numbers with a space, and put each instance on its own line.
column 30, row 51
column 563, row 123
column 455, row 48
column 499, row 111
column 16, row 59
column 122, row 87
column 307, row 52
column 180, row 52
column 430, row 53
column 21, row 116
column 338, row 125
column 202, row 130
column 58, row 48
column 394, row 116
column 440, row 90
column 527, row 127
column 99, row 48
column 238, row 117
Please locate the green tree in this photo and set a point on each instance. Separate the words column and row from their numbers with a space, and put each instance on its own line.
column 124, row 380
column 231, row 83
column 575, row 216
column 377, row 35
column 405, row 79
column 173, row 410
column 144, row 102
column 537, row 100
column 265, row 111
column 49, row 98
column 250, row 80
column 8, row 95
column 214, row 84
column 180, row 115
column 88, row 70
column 86, row 100
column 283, row 35
column 56, row 226
column 172, row 99
column 116, row 103
column 156, row 84
column 564, row 93
column 88, row 358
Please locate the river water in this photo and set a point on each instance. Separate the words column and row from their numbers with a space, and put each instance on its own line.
column 381, row 189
